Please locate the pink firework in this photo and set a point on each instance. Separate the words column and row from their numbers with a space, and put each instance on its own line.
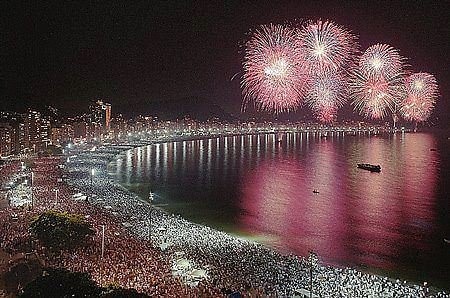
column 274, row 75
column 327, row 46
column 422, row 92
column 374, row 96
column 376, row 85
column 326, row 113
column 381, row 59
column 326, row 94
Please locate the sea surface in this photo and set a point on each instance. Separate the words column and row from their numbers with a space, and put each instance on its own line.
column 261, row 187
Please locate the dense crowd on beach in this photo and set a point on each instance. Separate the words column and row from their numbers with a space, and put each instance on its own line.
column 132, row 260
column 127, row 261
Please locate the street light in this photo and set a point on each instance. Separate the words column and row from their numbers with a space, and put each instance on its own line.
column 56, row 196
column 32, row 185
column 310, row 275
column 149, row 227
column 312, row 262
column 150, row 199
column 103, row 240
column 92, row 175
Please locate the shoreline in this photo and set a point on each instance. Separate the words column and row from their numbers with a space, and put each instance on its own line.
column 286, row 288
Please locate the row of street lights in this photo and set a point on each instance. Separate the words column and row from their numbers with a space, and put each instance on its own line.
column 32, row 185
column 103, row 226
column 92, row 175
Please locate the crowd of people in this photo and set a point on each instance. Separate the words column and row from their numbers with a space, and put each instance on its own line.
column 7, row 172
column 142, row 242
column 127, row 261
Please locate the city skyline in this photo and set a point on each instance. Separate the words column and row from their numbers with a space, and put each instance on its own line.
column 67, row 55
column 34, row 132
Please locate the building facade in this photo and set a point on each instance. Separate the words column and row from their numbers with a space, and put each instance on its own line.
column 62, row 134
column 101, row 114
column 37, row 132
column 7, row 145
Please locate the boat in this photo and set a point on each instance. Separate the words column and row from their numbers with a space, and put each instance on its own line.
column 369, row 167
column 432, row 149
column 446, row 241
column 315, row 191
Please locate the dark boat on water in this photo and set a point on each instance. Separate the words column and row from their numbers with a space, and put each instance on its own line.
column 369, row 167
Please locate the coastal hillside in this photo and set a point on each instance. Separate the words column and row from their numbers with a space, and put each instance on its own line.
column 196, row 107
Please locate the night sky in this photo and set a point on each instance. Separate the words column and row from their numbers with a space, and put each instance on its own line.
column 68, row 54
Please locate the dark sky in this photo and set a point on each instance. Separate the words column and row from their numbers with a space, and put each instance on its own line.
column 66, row 54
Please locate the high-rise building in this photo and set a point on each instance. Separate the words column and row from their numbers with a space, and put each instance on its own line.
column 14, row 122
column 6, row 139
column 119, row 126
column 101, row 114
column 62, row 134
column 107, row 108
column 37, row 131
column 19, row 137
column 79, row 129
column 94, row 131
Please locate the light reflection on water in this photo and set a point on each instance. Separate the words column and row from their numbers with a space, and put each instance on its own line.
column 391, row 220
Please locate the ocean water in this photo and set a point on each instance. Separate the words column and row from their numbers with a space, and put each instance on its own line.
column 261, row 186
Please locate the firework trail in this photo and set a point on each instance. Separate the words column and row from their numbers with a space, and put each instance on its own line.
column 274, row 74
column 421, row 94
column 377, row 86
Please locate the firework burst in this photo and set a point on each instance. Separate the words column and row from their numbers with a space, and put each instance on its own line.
column 326, row 113
column 381, row 59
column 327, row 46
column 422, row 92
column 326, row 94
column 377, row 84
column 373, row 96
column 274, row 75
column 318, row 63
